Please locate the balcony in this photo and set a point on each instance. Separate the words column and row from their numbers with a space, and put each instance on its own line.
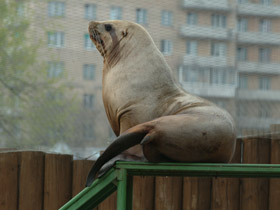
column 203, row 32
column 270, row 95
column 208, row 82
column 254, row 67
column 217, row 5
column 209, row 61
column 210, row 90
column 258, row 38
column 256, row 122
column 258, row 10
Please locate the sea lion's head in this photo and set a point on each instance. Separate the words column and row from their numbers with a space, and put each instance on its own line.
column 116, row 39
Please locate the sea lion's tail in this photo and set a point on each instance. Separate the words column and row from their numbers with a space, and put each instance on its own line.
column 128, row 139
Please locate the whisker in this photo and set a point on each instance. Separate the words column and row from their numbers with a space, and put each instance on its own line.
column 100, row 42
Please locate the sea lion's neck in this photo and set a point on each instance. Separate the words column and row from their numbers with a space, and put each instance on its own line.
column 121, row 50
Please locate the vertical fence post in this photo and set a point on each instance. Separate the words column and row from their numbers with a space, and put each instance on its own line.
column 168, row 194
column 8, row 181
column 80, row 172
column 274, row 185
column 31, row 180
column 226, row 191
column 58, row 180
column 143, row 192
column 196, row 193
column 254, row 191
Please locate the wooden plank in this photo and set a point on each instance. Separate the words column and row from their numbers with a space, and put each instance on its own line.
column 274, row 185
column 226, row 191
column 81, row 169
column 58, row 180
column 168, row 193
column 9, row 181
column 109, row 203
column 196, row 193
column 31, row 180
column 143, row 192
column 225, row 194
column 254, row 191
column 237, row 153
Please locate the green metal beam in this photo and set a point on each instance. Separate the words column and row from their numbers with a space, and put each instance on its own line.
column 122, row 193
column 120, row 177
column 200, row 169
column 91, row 196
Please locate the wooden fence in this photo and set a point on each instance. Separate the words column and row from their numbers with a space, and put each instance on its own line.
column 36, row 180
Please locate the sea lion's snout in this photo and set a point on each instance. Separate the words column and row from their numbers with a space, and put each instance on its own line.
column 94, row 33
column 92, row 26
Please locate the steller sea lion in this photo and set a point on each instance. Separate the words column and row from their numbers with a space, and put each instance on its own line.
column 154, row 118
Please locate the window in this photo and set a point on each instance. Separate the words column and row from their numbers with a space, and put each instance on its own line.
column 264, row 55
column 195, row 74
column 242, row 24
column 242, row 1
column 56, row 9
column 217, row 76
column 265, row 26
column 90, row 11
column 55, row 39
column 141, row 16
column 190, row 74
column 266, row 2
column 191, row 18
column 243, row 82
column 242, row 110
column 192, row 47
column 264, row 111
column 219, row 20
column 88, row 100
column 166, row 18
column 89, row 71
column 166, row 47
column 264, row 83
column 242, row 54
column 115, row 13
column 55, row 69
column 88, row 131
column 218, row 49
column 88, row 43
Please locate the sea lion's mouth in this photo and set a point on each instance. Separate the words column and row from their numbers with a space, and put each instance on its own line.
column 95, row 37
column 97, row 40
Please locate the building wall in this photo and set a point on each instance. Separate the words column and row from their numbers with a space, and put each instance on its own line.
column 75, row 55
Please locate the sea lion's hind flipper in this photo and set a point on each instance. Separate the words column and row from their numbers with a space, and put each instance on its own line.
column 129, row 139
column 122, row 157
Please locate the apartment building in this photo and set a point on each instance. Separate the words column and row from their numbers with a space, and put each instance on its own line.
column 227, row 51
column 258, row 63
column 242, row 59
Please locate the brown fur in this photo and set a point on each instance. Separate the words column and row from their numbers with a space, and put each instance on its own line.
column 141, row 96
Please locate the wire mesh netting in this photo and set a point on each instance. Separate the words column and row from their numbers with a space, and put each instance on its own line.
column 227, row 51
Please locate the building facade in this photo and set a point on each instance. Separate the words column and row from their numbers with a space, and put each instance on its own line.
column 227, row 51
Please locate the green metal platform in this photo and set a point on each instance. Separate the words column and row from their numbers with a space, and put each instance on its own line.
column 120, row 178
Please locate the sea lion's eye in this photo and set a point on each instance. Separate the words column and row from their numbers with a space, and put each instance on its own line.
column 108, row 27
